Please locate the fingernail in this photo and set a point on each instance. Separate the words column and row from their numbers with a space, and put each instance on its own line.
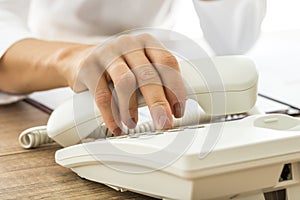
column 178, row 110
column 163, row 122
column 133, row 119
column 131, row 123
column 160, row 118
column 117, row 132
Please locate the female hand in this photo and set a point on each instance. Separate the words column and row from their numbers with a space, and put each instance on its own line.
column 131, row 62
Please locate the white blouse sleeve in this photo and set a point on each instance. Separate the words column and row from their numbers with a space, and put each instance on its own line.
column 13, row 27
column 13, row 22
column 230, row 26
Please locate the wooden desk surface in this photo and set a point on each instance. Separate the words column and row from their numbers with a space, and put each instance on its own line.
column 33, row 174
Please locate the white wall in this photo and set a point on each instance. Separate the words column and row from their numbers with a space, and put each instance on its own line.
column 282, row 15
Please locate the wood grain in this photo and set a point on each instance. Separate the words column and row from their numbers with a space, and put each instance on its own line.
column 33, row 174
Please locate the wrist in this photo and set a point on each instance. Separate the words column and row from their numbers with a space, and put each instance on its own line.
column 67, row 61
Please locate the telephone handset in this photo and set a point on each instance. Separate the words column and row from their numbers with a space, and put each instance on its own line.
column 77, row 118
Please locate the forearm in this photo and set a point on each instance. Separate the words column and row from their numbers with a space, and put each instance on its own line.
column 33, row 65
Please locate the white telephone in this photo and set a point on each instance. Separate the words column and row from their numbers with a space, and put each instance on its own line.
column 234, row 160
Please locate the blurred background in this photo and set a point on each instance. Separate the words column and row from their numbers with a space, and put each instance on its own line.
column 282, row 15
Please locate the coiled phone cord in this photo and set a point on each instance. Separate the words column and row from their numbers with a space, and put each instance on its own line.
column 34, row 137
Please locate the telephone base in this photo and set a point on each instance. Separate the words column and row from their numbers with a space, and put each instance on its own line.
column 247, row 166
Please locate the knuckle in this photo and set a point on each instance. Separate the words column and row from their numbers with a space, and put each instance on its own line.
column 123, row 39
column 126, row 80
column 168, row 59
column 126, row 44
column 109, row 121
column 116, row 66
column 148, row 75
column 159, row 101
column 146, row 36
column 102, row 51
column 103, row 99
